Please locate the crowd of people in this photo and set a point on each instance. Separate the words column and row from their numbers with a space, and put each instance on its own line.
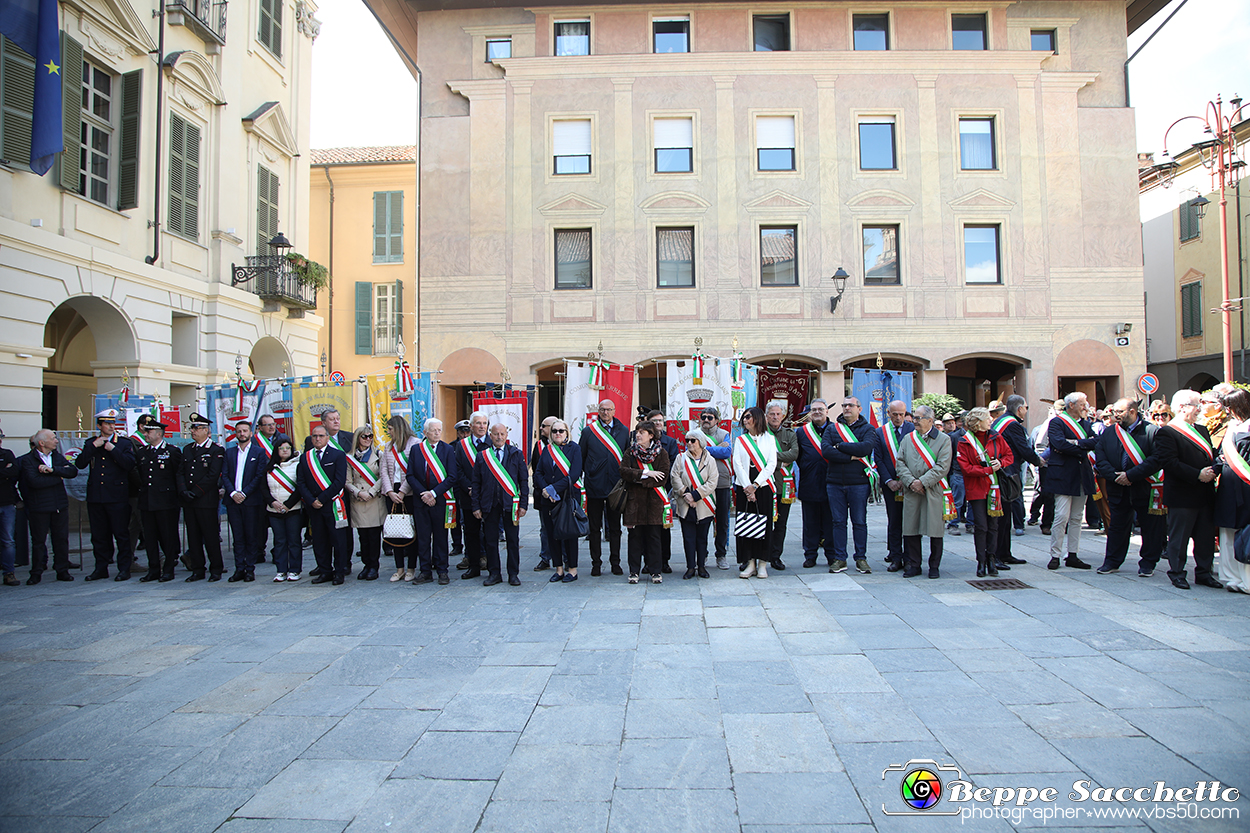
column 1177, row 474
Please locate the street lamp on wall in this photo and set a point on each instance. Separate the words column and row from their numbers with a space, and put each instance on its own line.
column 1200, row 206
column 839, row 284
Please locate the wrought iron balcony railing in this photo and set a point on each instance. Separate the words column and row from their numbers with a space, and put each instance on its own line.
column 206, row 17
column 272, row 279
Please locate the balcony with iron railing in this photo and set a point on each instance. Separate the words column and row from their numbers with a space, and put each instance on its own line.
column 207, row 18
column 273, row 278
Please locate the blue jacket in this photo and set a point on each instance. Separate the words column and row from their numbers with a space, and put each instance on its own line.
column 842, row 466
column 600, row 466
column 108, row 480
column 487, row 493
column 422, row 479
column 255, row 487
column 335, row 464
column 812, row 467
column 1068, row 471
column 547, row 473
column 885, row 463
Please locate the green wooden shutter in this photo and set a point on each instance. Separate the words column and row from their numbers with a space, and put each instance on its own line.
column 381, row 223
column 177, row 176
column 270, row 31
column 396, row 230
column 128, row 171
column 184, row 177
column 364, row 318
column 69, row 160
column 266, row 209
column 399, row 312
column 17, row 97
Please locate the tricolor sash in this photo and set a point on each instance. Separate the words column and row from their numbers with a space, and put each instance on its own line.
column 607, row 439
column 334, row 441
column 995, row 505
column 892, row 442
column 505, row 481
column 1136, row 457
column 757, row 458
column 243, row 389
column 365, row 470
column 1235, row 461
column 848, row 436
column 435, row 465
column 322, row 480
column 786, row 470
column 137, row 440
column 812, row 437
column 399, row 461
column 659, row 490
column 695, row 476
column 1001, row 422
column 1190, row 433
column 265, row 444
column 1081, row 434
column 470, row 451
column 277, row 475
column 926, row 454
column 563, row 464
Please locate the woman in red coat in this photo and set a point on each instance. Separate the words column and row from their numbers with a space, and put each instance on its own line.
column 982, row 454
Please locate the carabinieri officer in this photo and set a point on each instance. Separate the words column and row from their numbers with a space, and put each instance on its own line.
column 110, row 457
column 157, row 466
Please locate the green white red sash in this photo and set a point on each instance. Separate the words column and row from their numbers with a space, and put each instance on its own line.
column 365, row 470
column 659, row 490
column 265, row 444
column 505, row 481
column 139, row 441
column 399, row 461
column 757, row 458
column 812, row 436
column 786, row 470
column 282, row 479
column 1001, row 422
column 1190, row 433
column 995, row 505
column 435, row 465
column 1236, row 462
column 470, row 450
column 563, row 464
column 1081, row 434
column 892, row 442
column 334, row 441
column 695, row 476
column 848, row 436
column 1135, row 455
column 322, row 480
column 607, row 439
column 948, row 500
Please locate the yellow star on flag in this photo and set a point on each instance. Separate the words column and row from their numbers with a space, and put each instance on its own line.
column 53, row 69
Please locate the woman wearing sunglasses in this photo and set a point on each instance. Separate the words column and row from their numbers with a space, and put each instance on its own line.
column 556, row 476
column 694, row 478
column 367, row 509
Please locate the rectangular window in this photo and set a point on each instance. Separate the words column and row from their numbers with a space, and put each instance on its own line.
column 1191, row 310
column 881, row 256
column 1190, row 224
column 774, row 142
column 270, row 31
column 573, row 266
column 571, row 145
column 981, row 260
column 96, row 142
column 876, row 144
column 184, row 178
column 572, row 37
column 388, row 226
column 674, row 257
column 778, row 256
column 871, row 32
column 674, row 145
column 266, row 209
column 976, row 145
column 498, row 49
column 968, row 32
column 1042, row 40
column 772, row 32
column 670, row 35
column 386, row 333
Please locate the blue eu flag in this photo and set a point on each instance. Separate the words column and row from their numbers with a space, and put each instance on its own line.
column 32, row 25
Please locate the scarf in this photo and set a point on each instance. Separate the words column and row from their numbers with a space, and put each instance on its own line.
column 645, row 455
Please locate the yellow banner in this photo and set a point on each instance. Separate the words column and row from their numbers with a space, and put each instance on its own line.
column 307, row 404
column 380, row 386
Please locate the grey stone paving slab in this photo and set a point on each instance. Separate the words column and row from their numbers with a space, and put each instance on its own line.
column 1114, row 685
column 248, row 693
column 1015, row 687
column 88, row 734
column 251, row 757
column 1000, row 750
column 49, row 824
column 1127, row 761
column 327, row 789
column 588, row 772
column 568, row 689
column 672, row 719
column 414, row 693
column 526, row 653
column 583, row 723
column 797, row 798
column 839, row 673
column 779, row 743
column 1190, row 730
column 876, row 718
column 238, row 825
column 372, row 735
column 187, row 730
column 819, row 644
column 901, row 660
column 759, row 643
column 685, row 810
column 570, row 815
column 672, row 630
column 315, row 698
column 486, row 712
column 752, row 698
column 1080, row 719
column 425, row 806
column 191, row 809
column 692, row 683
column 458, row 756
column 673, row 764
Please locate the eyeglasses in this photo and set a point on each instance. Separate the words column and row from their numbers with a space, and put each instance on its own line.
column 691, row 441
column 849, row 405
column 366, row 436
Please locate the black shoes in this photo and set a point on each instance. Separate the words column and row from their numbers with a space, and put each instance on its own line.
column 443, row 578
column 471, row 574
column 214, row 577
column 809, row 562
column 541, row 566
column 910, row 574
column 556, row 577
column 457, row 550
column 1011, row 559
column 167, row 576
column 491, row 581
column 425, row 578
column 194, row 577
column 596, row 569
column 617, row 571
column 567, row 578
column 368, row 574
column 1074, row 562
column 515, row 581
column 322, row 578
column 463, row 565
column 96, row 575
column 239, row 575
column 689, row 574
column 1180, row 583
column 980, row 571
column 337, row 580
column 35, row 578
column 121, row 577
column 666, row 569
column 1209, row 582
column 1000, row 565
column 150, row 577
column 894, row 567
column 933, row 573
column 703, row 573
column 1053, row 565
column 778, row 565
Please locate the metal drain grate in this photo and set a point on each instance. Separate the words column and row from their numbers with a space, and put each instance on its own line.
column 1000, row 584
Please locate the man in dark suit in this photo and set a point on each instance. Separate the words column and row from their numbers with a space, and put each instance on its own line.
column 320, row 484
column 8, row 514
column 340, row 441
column 1126, row 459
column 603, row 443
column 1010, row 423
column 1069, row 476
column 40, row 480
column 889, row 439
column 468, row 452
column 501, row 492
column 198, row 477
column 109, row 457
column 817, row 522
column 267, row 434
column 1183, row 448
column 245, row 490
column 431, row 475
column 156, row 465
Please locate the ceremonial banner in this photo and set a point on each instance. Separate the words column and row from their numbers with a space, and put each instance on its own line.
column 685, row 399
column 100, row 402
column 309, row 400
column 385, row 401
column 224, row 412
column 790, row 386
column 580, row 399
column 512, row 410
column 275, row 401
column 876, row 389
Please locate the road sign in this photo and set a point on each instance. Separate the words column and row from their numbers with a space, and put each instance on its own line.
column 337, row 378
column 1148, row 383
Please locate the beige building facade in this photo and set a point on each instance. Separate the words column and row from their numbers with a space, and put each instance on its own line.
column 207, row 140
column 642, row 175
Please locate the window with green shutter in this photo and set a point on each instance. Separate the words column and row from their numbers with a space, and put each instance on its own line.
column 266, row 209
column 1191, row 309
column 388, row 226
column 86, row 165
column 184, row 177
column 17, row 96
column 1190, row 225
column 364, row 318
column 269, row 32
column 128, row 167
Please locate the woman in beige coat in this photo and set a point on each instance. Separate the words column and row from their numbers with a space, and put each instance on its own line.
column 924, row 463
column 364, row 486
column 694, row 481
column 394, row 473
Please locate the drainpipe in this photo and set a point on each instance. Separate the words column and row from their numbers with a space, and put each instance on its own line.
column 330, row 270
column 156, row 179
column 1241, row 289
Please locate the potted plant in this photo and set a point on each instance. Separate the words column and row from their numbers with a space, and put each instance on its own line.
column 308, row 272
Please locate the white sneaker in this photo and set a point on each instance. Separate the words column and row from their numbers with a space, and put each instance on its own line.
column 722, row 563
column 280, row 577
column 749, row 570
column 292, row 576
column 761, row 569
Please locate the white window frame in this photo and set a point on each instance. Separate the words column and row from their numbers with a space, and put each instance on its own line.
column 92, row 123
column 672, row 18
column 795, row 116
column 589, row 35
column 385, row 328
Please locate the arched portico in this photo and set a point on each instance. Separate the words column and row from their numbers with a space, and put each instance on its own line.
column 1091, row 367
column 93, row 345
column 269, row 359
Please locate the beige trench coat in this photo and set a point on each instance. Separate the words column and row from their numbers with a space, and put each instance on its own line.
column 922, row 513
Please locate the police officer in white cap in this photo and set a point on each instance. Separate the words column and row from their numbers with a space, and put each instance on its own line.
column 109, row 457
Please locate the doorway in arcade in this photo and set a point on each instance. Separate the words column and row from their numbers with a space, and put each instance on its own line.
column 976, row 381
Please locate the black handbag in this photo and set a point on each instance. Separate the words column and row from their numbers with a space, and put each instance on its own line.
column 750, row 525
column 569, row 520
column 1010, row 485
column 616, row 497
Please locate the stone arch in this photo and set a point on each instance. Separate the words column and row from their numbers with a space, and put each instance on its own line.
column 269, row 359
column 93, row 343
column 1201, row 382
column 469, row 366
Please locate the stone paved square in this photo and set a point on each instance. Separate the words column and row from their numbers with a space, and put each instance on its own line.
column 703, row 705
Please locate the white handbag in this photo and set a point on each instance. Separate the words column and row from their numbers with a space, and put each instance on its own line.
column 398, row 529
